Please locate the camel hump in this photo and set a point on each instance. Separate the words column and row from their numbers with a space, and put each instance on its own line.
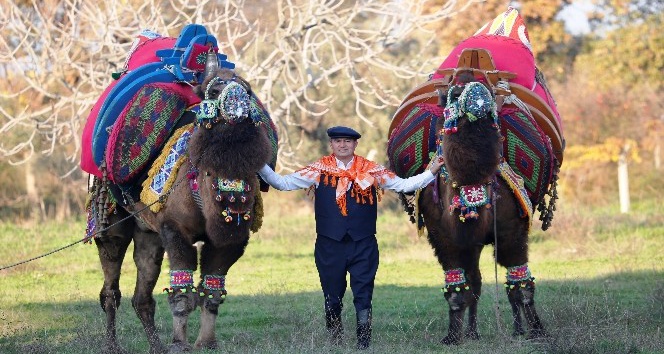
column 152, row 59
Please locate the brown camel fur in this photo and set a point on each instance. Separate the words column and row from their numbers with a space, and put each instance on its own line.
column 472, row 154
column 221, row 151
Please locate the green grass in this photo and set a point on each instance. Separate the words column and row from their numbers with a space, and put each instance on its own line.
column 600, row 279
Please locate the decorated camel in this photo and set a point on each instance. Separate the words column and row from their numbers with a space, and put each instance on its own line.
column 174, row 158
column 488, row 113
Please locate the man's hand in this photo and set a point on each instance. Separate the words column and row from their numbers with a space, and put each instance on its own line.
column 435, row 164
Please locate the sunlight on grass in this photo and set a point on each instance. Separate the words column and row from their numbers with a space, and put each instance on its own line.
column 600, row 290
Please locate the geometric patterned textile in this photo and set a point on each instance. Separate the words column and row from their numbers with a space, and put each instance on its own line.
column 164, row 170
column 413, row 139
column 528, row 151
column 142, row 53
column 142, row 129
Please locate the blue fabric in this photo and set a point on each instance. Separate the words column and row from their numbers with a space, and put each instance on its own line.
column 335, row 258
column 361, row 219
column 343, row 132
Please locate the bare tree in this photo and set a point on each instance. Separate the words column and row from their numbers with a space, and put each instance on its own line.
column 301, row 56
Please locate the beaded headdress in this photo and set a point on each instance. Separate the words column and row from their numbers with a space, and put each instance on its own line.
column 475, row 102
column 232, row 105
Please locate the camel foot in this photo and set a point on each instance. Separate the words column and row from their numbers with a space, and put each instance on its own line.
column 158, row 349
column 206, row 345
column 474, row 335
column 451, row 340
column 518, row 332
column 179, row 347
column 113, row 348
column 536, row 333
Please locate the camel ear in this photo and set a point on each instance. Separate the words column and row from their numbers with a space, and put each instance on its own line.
column 211, row 63
column 199, row 91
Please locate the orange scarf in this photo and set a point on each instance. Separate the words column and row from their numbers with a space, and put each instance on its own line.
column 363, row 173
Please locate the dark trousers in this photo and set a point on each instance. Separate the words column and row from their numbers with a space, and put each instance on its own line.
column 336, row 258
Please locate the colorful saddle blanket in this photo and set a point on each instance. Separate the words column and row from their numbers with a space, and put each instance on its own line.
column 526, row 148
column 143, row 128
column 172, row 64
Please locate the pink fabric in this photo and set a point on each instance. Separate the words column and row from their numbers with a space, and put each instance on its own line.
column 508, row 54
column 87, row 161
column 144, row 53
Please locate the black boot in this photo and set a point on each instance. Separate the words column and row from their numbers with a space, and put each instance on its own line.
column 334, row 326
column 364, row 328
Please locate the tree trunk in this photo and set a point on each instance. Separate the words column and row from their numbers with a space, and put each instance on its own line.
column 36, row 206
column 623, row 180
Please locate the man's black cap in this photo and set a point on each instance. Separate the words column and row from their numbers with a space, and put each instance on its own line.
column 343, row 132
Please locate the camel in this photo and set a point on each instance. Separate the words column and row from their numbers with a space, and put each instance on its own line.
column 215, row 200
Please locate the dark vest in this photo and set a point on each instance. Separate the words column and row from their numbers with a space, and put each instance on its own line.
column 359, row 223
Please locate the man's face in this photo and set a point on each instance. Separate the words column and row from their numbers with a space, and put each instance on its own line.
column 343, row 147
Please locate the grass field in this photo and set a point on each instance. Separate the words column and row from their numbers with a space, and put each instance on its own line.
column 600, row 277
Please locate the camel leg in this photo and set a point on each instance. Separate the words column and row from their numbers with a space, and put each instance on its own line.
column 520, row 287
column 474, row 278
column 148, row 256
column 516, row 316
column 182, row 298
column 112, row 250
column 524, row 295
column 215, row 263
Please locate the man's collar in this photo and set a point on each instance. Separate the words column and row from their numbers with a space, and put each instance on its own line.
column 341, row 164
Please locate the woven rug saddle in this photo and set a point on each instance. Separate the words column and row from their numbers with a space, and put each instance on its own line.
column 499, row 55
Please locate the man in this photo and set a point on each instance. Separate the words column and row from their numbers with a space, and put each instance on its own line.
column 347, row 188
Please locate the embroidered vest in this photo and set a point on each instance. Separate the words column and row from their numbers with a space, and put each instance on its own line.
column 361, row 219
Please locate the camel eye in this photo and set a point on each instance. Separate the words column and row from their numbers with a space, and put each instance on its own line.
column 214, row 92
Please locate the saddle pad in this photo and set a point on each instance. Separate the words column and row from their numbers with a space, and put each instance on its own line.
column 164, row 170
column 141, row 53
column 142, row 129
column 528, row 151
column 413, row 140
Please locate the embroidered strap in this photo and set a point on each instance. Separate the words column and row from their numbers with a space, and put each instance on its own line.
column 214, row 282
column 469, row 199
column 213, row 286
column 182, row 278
column 519, row 276
column 455, row 280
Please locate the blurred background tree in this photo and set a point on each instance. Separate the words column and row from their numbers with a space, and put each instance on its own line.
column 317, row 63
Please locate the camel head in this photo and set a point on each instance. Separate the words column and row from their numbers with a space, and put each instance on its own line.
column 468, row 99
column 469, row 133
column 226, row 99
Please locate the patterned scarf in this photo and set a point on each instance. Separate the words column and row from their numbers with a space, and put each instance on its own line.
column 362, row 174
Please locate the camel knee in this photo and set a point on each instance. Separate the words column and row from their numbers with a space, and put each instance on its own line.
column 182, row 303
column 109, row 298
column 182, row 295
column 142, row 303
